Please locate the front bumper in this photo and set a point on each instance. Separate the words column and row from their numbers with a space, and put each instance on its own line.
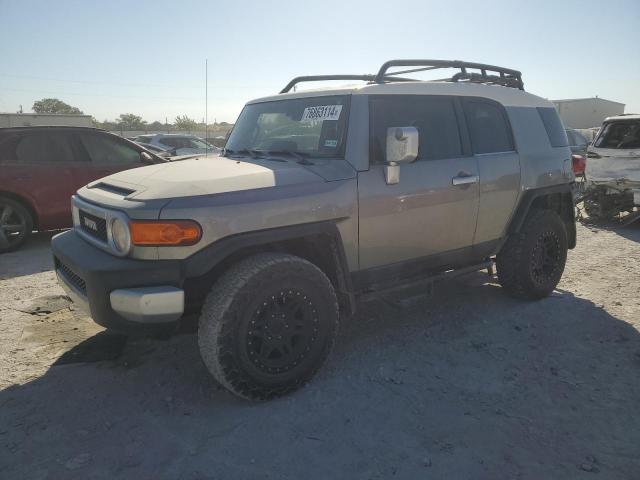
column 130, row 296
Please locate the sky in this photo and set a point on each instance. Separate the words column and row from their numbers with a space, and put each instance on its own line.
column 148, row 57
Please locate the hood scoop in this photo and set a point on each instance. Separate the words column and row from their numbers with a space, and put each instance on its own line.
column 120, row 191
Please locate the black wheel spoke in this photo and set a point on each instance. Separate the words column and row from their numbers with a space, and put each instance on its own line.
column 282, row 331
column 545, row 258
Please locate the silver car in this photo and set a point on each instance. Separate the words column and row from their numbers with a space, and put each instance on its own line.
column 321, row 197
column 177, row 144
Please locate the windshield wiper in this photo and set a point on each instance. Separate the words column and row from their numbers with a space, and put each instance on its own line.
column 300, row 156
column 244, row 151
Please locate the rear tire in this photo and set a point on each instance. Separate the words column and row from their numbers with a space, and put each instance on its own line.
column 532, row 261
column 267, row 325
column 16, row 224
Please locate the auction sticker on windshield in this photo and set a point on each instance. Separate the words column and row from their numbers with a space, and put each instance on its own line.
column 321, row 113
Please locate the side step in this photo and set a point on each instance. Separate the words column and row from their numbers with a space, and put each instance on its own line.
column 427, row 283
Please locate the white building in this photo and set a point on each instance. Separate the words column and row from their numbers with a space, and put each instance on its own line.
column 586, row 112
column 40, row 119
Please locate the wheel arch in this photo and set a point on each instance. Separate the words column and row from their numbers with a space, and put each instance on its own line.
column 320, row 243
column 26, row 203
column 558, row 198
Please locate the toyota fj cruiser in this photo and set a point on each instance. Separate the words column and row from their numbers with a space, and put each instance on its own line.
column 319, row 197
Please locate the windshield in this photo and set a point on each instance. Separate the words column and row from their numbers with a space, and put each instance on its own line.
column 625, row 134
column 313, row 126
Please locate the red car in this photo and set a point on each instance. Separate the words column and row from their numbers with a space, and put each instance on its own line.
column 41, row 167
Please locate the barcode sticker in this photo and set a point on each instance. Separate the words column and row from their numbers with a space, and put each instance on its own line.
column 321, row 113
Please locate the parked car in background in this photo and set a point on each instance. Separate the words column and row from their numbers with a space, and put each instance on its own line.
column 613, row 168
column 41, row 167
column 578, row 145
column 178, row 144
column 163, row 152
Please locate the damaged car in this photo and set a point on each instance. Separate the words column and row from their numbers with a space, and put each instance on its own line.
column 613, row 170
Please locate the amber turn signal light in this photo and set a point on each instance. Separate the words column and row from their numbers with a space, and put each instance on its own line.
column 165, row 233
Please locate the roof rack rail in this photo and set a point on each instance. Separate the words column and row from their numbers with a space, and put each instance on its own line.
column 318, row 78
column 505, row 76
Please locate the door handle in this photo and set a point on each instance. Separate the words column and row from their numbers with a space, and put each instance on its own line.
column 465, row 179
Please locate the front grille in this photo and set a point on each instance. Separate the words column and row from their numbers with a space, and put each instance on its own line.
column 94, row 226
column 70, row 276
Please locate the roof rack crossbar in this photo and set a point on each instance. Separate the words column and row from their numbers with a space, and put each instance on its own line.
column 319, row 78
column 509, row 77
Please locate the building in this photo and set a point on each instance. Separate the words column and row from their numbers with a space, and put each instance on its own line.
column 586, row 112
column 39, row 119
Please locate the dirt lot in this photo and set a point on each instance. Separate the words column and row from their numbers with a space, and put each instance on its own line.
column 466, row 383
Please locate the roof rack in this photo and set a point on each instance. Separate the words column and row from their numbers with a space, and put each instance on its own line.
column 506, row 76
column 501, row 76
column 318, row 78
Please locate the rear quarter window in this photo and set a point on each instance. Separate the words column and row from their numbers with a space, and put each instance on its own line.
column 489, row 128
column 553, row 126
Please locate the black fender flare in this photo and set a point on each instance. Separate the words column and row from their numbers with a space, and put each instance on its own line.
column 213, row 255
column 534, row 196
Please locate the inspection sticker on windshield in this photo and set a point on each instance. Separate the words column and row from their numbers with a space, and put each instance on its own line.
column 321, row 113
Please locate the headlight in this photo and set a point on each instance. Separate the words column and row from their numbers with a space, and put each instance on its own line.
column 120, row 235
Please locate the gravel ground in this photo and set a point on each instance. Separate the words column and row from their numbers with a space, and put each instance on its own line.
column 464, row 383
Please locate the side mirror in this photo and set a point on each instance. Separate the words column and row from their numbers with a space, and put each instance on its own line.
column 402, row 147
column 146, row 157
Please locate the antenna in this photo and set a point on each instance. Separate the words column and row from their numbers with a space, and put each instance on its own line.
column 206, row 105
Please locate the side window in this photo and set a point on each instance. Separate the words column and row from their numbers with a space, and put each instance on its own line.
column 109, row 151
column 173, row 142
column 553, row 126
column 8, row 145
column 434, row 117
column 43, row 147
column 488, row 127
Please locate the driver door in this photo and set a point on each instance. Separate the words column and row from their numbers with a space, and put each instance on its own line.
column 430, row 215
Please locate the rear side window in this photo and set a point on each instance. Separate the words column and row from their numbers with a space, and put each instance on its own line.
column 37, row 147
column 8, row 144
column 434, row 117
column 488, row 127
column 174, row 142
column 553, row 126
column 109, row 151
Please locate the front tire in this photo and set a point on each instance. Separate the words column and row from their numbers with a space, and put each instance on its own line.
column 16, row 224
column 267, row 325
column 532, row 261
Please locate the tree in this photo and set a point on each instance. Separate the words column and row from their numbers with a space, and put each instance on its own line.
column 185, row 123
column 53, row 105
column 156, row 126
column 129, row 121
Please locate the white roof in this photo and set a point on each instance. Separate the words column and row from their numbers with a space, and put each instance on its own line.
column 622, row 117
column 507, row 96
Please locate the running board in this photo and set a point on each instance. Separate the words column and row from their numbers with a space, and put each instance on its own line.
column 429, row 281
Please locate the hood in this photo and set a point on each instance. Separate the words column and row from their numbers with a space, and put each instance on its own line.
column 203, row 176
